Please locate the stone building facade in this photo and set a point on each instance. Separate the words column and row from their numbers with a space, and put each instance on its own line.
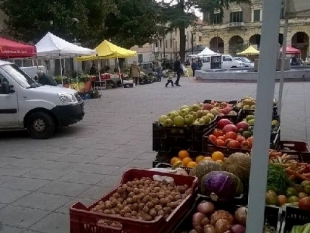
column 241, row 26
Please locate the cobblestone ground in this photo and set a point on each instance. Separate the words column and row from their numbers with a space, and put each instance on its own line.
column 40, row 179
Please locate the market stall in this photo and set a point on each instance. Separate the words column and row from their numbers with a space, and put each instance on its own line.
column 291, row 50
column 250, row 51
column 11, row 49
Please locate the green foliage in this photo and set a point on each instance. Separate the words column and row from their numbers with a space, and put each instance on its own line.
column 133, row 22
column 30, row 20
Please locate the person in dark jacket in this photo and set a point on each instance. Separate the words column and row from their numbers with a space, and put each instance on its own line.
column 178, row 69
column 199, row 63
column 194, row 67
column 45, row 79
column 93, row 70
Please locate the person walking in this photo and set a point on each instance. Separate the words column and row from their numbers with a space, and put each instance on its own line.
column 169, row 79
column 178, row 69
column 194, row 67
column 135, row 73
column 159, row 71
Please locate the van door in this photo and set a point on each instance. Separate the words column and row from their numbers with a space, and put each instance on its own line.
column 8, row 107
column 227, row 62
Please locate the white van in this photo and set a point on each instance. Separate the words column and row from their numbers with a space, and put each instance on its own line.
column 25, row 104
column 228, row 62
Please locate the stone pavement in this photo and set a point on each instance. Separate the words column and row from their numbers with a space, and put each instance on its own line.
column 40, row 179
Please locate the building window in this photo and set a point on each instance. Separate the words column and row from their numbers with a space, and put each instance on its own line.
column 170, row 43
column 217, row 18
column 256, row 16
column 200, row 38
column 282, row 13
column 160, row 43
column 140, row 58
column 236, row 17
column 140, row 46
column 166, row 44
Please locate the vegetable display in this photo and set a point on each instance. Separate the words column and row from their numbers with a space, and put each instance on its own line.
column 144, row 199
column 301, row 229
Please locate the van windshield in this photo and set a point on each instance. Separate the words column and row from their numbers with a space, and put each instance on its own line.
column 19, row 76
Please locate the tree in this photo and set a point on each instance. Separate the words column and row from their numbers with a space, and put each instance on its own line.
column 179, row 16
column 133, row 22
column 81, row 19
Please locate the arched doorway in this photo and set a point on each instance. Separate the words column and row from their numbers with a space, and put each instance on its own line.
column 300, row 40
column 217, row 44
column 255, row 41
column 236, row 44
column 280, row 40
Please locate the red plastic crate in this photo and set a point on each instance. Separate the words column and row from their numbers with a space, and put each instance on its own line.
column 82, row 220
column 293, row 146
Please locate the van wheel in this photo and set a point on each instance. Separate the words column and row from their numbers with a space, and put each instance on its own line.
column 40, row 125
column 233, row 67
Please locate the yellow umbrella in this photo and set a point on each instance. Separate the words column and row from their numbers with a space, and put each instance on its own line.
column 249, row 51
column 107, row 50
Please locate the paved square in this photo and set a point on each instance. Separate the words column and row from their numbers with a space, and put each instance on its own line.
column 41, row 179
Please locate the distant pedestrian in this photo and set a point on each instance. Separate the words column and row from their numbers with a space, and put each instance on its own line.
column 45, row 79
column 93, row 70
column 159, row 71
column 194, row 67
column 169, row 78
column 135, row 72
column 199, row 63
column 178, row 69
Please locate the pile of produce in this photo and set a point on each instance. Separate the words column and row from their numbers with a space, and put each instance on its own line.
column 144, row 199
column 248, row 103
column 184, row 160
column 196, row 114
column 301, row 229
column 209, row 220
column 282, row 191
column 223, row 108
column 232, row 136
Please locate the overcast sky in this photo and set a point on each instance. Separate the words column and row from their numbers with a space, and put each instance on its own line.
column 199, row 14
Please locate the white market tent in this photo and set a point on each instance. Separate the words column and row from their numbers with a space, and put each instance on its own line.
column 54, row 47
column 264, row 103
column 206, row 52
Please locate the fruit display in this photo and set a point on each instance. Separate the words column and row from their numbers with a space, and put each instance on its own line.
column 222, row 108
column 232, row 136
column 209, row 219
column 187, row 116
column 144, row 199
column 249, row 103
column 301, row 229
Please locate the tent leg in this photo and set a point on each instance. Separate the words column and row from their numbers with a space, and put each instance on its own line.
column 282, row 65
column 263, row 114
column 62, row 79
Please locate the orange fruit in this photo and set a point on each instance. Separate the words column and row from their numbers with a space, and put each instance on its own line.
column 208, row 158
column 217, row 155
column 186, row 160
column 199, row 158
column 174, row 159
column 191, row 164
column 183, row 154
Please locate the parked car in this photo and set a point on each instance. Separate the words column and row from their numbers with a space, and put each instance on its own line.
column 25, row 104
column 227, row 62
column 147, row 67
column 247, row 62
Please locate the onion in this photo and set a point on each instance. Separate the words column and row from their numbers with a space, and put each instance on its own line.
column 238, row 228
column 196, row 221
column 204, row 221
column 221, row 226
column 240, row 215
column 209, row 229
column 206, row 208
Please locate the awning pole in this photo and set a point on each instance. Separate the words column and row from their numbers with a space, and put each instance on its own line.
column 263, row 114
column 283, row 59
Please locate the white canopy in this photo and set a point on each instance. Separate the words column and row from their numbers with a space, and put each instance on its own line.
column 55, row 47
column 207, row 52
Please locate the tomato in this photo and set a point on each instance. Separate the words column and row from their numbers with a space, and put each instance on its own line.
column 218, row 132
column 250, row 141
column 231, row 135
column 221, row 137
column 233, row 144
column 212, row 138
column 240, row 138
column 245, row 145
column 219, row 142
column 227, row 141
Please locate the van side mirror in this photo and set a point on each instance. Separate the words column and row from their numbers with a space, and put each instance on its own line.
column 6, row 88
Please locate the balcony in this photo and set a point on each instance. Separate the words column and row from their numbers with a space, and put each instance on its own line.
column 235, row 24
